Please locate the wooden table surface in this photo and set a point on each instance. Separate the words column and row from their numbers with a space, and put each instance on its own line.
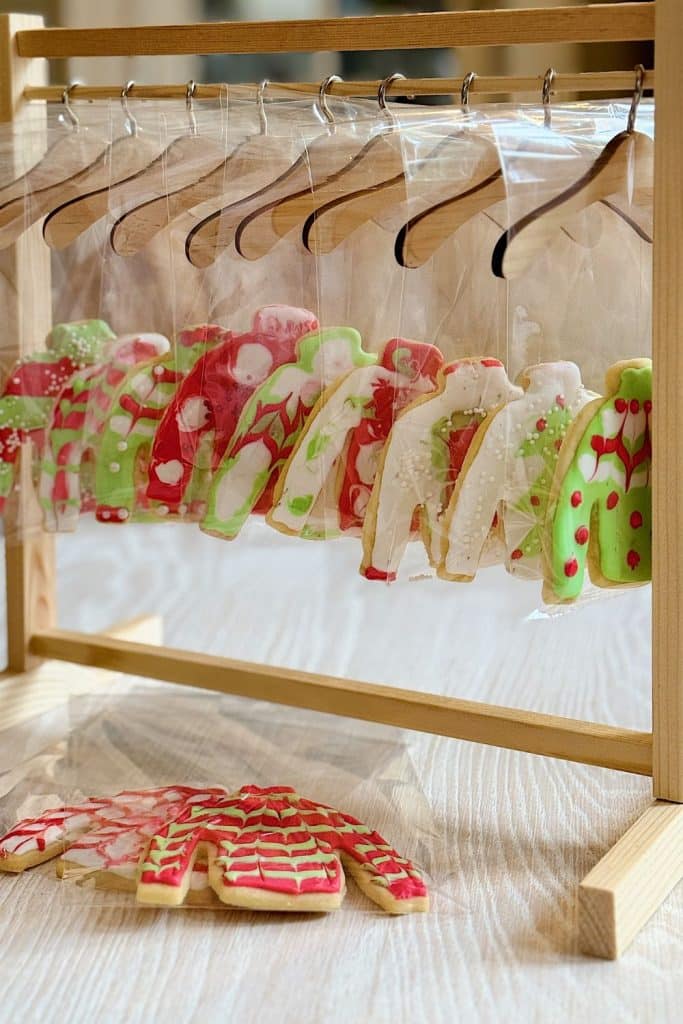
column 504, row 837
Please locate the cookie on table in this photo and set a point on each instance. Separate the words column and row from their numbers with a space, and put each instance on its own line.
column 271, row 849
column 508, row 472
column 422, row 458
column 600, row 509
column 271, row 423
column 202, row 416
column 344, row 436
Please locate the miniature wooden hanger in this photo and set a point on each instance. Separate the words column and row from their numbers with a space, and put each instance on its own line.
column 625, row 168
column 422, row 235
column 73, row 151
column 121, row 158
column 148, row 175
column 324, row 157
column 257, row 157
column 378, row 160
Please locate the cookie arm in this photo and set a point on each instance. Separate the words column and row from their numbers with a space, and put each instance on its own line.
column 338, row 411
column 570, row 528
column 478, row 491
column 388, row 879
column 175, row 448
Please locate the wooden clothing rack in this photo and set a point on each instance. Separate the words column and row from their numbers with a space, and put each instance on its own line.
column 626, row 887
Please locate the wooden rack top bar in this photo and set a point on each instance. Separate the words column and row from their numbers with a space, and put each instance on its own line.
column 597, row 23
column 588, row 81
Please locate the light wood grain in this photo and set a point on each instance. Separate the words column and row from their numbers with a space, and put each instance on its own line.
column 613, row 82
column 630, row 883
column 667, row 483
column 596, row 23
column 587, row 742
column 25, row 284
column 28, row 694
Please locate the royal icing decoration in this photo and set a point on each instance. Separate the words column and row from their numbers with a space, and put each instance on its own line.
column 105, row 834
column 136, row 410
column 66, row 482
column 508, row 473
column 267, row 849
column 272, row 849
column 422, row 459
column 33, row 385
column 206, row 408
column 601, row 509
column 355, row 417
column 271, row 423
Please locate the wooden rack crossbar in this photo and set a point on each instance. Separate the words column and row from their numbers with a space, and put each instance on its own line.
column 586, row 742
column 631, row 881
column 598, row 23
column 588, row 81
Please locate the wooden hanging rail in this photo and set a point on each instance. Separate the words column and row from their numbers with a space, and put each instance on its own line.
column 588, row 81
column 586, row 742
column 597, row 23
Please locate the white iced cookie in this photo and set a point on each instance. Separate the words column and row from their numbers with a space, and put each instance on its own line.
column 422, row 459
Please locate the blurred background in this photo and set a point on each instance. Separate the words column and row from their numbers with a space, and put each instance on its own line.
column 306, row 67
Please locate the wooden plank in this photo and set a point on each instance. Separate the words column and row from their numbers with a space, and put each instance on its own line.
column 667, row 487
column 599, row 23
column 628, row 885
column 551, row 736
column 611, row 82
column 26, row 306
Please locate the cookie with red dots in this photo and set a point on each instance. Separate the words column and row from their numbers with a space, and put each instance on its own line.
column 600, row 508
column 508, row 472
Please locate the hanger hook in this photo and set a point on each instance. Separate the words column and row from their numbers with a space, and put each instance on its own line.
column 323, row 105
column 131, row 124
column 465, row 89
column 384, row 87
column 546, row 93
column 190, row 90
column 263, row 120
column 637, row 97
column 68, row 109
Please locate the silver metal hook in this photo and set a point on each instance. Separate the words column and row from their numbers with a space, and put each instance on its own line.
column 263, row 119
column 323, row 105
column 68, row 110
column 637, row 97
column 132, row 127
column 384, row 87
column 190, row 90
column 465, row 89
column 546, row 93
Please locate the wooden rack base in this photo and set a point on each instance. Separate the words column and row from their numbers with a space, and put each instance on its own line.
column 619, row 895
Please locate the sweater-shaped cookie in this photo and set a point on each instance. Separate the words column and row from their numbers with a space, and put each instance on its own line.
column 136, row 410
column 600, row 510
column 356, row 414
column 508, row 471
column 206, row 407
column 271, row 849
column 66, row 486
column 106, row 835
column 422, row 458
column 271, row 423
column 33, row 384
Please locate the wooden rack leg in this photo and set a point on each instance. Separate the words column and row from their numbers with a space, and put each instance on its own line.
column 622, row 892
column 630, row 882
column 26, row 308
